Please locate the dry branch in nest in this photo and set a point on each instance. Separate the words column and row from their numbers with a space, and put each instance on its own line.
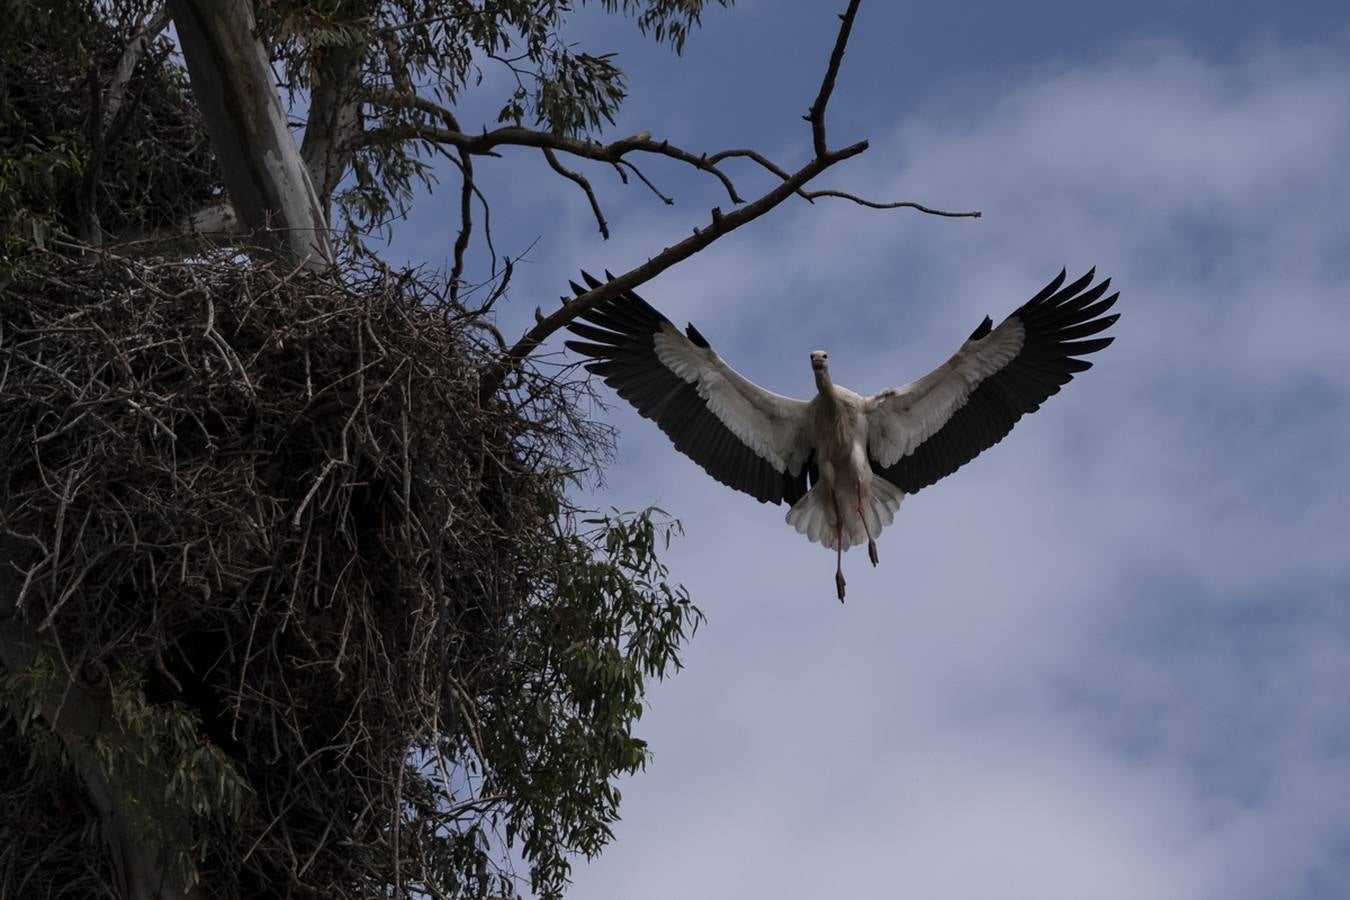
column 273, row 500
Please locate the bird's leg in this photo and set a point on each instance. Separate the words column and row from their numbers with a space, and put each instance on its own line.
column 871, row 542
column 839, row 574
column 838, row 548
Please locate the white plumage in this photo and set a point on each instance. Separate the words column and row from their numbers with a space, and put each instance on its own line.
column 842, row 461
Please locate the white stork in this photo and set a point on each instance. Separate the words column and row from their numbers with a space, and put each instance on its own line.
column 842, row 461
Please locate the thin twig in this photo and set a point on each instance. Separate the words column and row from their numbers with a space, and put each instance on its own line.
column 487, row 142
column 898, row 204
column 465, row 223
column 585, row 185
column 817, row 114
column 458, row 161
column 754, row 155
column 668, row 201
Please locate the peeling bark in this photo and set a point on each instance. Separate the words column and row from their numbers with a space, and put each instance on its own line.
column 333, row 118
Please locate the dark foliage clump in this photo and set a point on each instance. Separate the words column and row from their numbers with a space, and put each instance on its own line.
column 73, row 166
column 341, row 605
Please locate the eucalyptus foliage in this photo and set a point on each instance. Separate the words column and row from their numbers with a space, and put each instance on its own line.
column 144, row 169
column 445, row 48
column 380, row 660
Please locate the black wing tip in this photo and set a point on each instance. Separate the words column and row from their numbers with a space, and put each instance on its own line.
column 1086, row 278
column 593, row 351
column 1044, row 293
column 629, row 299
column 1057, row 297
column 982, row 329
column 1083, row 348
column 625, row 300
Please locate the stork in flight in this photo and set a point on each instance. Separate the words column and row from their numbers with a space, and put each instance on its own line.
column 841, row 461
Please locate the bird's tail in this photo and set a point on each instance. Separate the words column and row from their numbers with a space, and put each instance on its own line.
column 813, row 515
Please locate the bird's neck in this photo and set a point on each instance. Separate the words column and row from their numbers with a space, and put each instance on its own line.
column 823, row 384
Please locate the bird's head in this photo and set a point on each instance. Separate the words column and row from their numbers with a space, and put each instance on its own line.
column 820, row 360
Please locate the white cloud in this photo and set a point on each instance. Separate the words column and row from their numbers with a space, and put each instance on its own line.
column 1104, row 661
column 1108, row 658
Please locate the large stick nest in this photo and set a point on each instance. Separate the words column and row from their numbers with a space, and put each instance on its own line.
column 246, row 485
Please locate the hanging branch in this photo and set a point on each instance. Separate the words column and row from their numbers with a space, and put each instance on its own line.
column 585, row 185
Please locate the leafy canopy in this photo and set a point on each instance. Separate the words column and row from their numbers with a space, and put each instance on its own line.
column 439, row 50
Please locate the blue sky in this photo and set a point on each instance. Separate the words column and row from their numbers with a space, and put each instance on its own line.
column 1109, row 658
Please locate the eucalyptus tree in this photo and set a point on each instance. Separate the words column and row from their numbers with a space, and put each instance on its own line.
column 292, row 598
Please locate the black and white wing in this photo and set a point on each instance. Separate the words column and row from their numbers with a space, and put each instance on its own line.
column 928, row 429
column 748, row 438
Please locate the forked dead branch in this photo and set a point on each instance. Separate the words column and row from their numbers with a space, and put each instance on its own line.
column 619, row 153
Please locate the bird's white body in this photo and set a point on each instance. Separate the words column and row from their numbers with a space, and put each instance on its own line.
column 843, row 461
column 838, row 419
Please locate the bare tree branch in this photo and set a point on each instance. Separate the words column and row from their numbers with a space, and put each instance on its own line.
column 585, row 186
column 898, row 204
column 754, row 155
column 668, row 201
column 817, row 114
column 459, row 161
column 333, row 119
column 90, row 231
column 126, row 66
column 503, row 279
column 811, row 196
column 465, row 222
column 407, row 99
column 616, row 152
column 722, row 223
column 516, row 136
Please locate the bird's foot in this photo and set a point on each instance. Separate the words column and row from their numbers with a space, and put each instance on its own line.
column 839, row 584
column 872, row 551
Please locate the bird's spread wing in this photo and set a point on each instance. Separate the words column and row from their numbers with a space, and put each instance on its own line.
column 928, row 429
column 744, row 436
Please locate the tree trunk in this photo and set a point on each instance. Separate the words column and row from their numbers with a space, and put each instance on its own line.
column 274, row 199
column 79, row 712
column 332, row 119
column 235, row 90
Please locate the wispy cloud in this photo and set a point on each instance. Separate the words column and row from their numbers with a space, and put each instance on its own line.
column 1106, row 660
